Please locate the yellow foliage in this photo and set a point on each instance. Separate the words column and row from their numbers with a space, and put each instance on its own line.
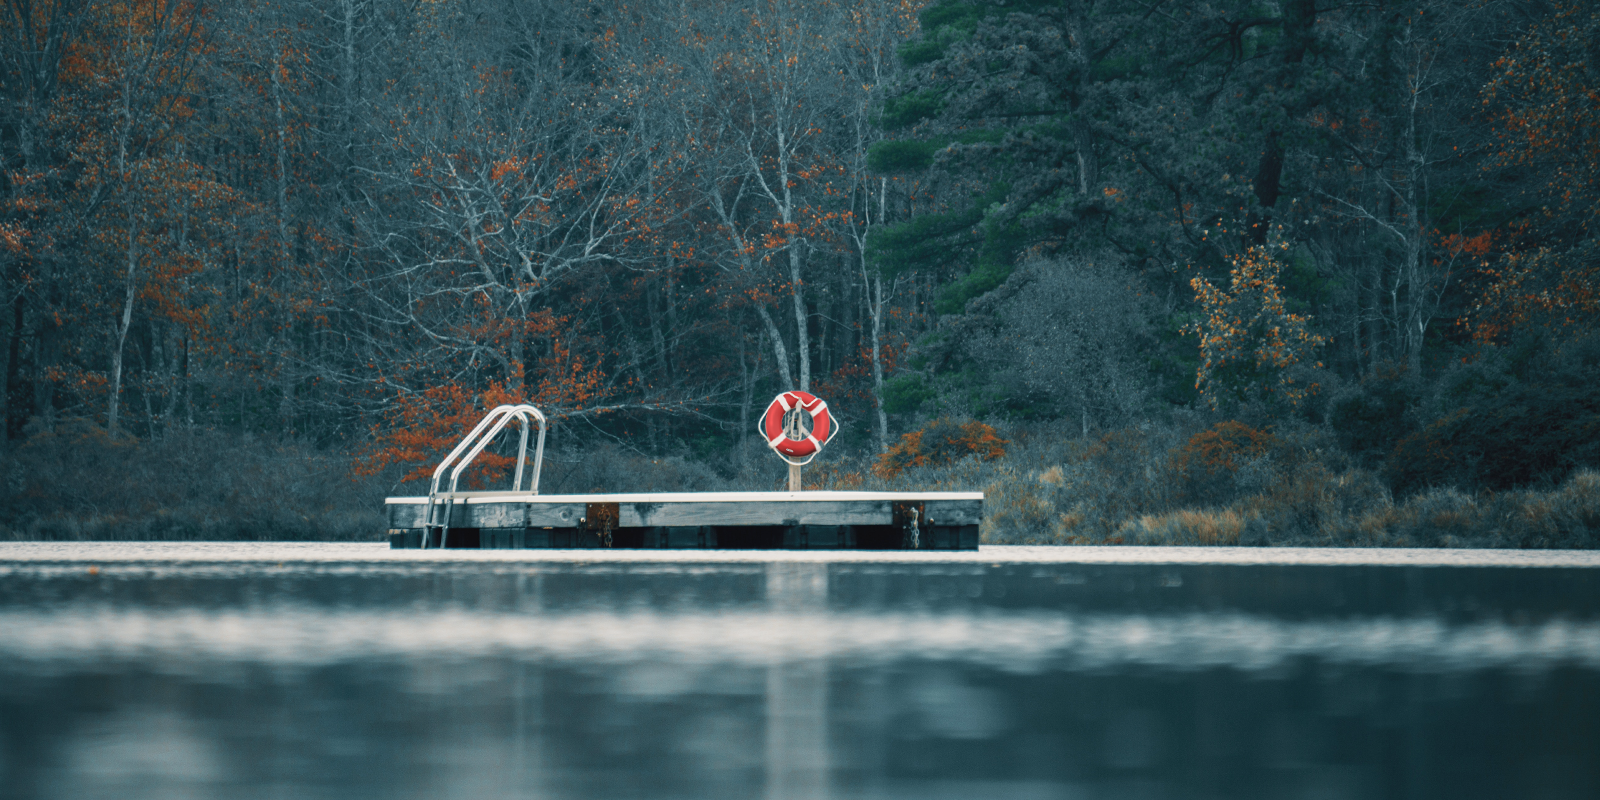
column 1248, row 340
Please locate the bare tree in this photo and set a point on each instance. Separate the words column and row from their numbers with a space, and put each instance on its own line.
column 519, row 169
column 1389, row 168
column 770, row 104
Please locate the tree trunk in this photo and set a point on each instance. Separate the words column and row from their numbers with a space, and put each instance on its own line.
column 825, row 362
column 658, row 338
column 746, row 388
column 13, row 359
column 1416, row 324
column 876, row 312
column 872, row 290
column 129, row 291
column 802, row 342
column 145, row 362
column 283, row 159
column 188, row 386
column 174, row 386
column 286, row 404
column 779, row 352
column 46, row 348
column 1088, row 166
column 347, row 81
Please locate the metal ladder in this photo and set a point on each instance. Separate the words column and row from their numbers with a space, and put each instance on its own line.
column 440, row 505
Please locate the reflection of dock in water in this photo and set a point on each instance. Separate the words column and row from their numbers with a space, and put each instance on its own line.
column 797, row 761
column 757, row 520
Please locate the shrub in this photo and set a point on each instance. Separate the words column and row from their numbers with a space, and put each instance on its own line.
column 1526, row 415
column 1186, row 527
column 1568, row 517
column 605, row 467
column 78, row 483
column 941, row 442
column 1370, row 419
column 1021, row 511
column 1208, row 465
column 1060, row 490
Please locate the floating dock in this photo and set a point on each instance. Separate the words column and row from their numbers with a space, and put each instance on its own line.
column 794, row 520
column 744, row 520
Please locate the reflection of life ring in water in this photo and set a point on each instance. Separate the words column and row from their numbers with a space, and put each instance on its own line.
column 786, row 429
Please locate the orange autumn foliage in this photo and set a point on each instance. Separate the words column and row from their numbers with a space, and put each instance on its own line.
column 1248, row 339
column 1207, row 466
column 1546, row 105
column 1222, row 448
column 1544, row 287
column 941, row 442
column 421, row 427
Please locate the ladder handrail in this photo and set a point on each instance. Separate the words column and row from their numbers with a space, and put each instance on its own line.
column 520, row 412
column 438, row 471
column 478, row 439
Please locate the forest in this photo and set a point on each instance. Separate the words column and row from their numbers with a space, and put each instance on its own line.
column 1281, row 272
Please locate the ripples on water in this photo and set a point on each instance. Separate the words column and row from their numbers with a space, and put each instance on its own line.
column 169, row 670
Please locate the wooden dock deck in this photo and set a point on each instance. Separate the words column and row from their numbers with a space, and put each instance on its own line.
column 749, row 520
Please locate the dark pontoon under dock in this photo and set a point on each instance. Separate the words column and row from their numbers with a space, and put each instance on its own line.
column 754, row 520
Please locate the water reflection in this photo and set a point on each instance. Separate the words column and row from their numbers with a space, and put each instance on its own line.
column 796, row 679
column 797, row 689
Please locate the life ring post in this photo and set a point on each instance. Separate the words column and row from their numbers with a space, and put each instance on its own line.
column 796, row 425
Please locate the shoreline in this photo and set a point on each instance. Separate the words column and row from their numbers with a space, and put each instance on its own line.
column 27, row 554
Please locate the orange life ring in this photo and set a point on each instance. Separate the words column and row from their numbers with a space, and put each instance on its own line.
column 822, row 427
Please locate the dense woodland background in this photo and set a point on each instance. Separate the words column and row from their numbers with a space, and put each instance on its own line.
column 1289, row 271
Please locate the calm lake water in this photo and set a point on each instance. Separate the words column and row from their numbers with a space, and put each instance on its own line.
column 339, row 670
